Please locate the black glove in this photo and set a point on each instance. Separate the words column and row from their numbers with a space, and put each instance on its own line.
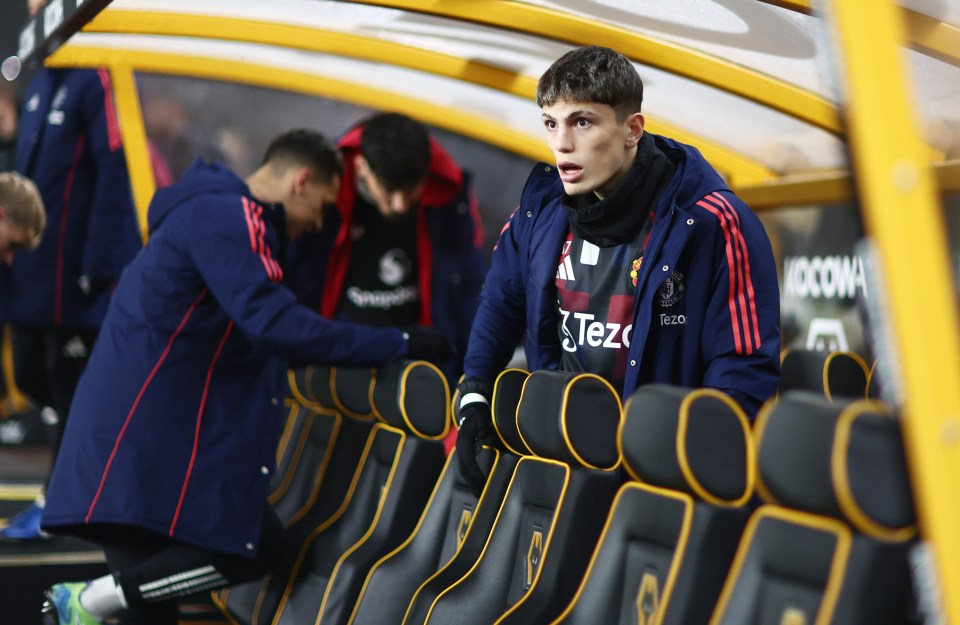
column 425, row 343
column 476, row 424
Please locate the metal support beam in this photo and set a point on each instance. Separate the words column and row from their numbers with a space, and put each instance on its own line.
column 135, row 147
column 737, row 167
column 905, row 221
column 682, row 61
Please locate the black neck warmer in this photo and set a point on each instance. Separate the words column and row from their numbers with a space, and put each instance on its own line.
column 617, row 218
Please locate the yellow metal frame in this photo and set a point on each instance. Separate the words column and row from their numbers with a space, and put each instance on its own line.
column 136, row 151
column 122, row 64
column 15, row 401
column 755, row 184
column 678, row 60
column 738, row 169
column 480, row 128
column 903, row 217
column 933, row 37
column 925, row 34
column 895, row 183
column 827, row 187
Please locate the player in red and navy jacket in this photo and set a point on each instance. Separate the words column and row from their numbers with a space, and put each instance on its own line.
column 729, row 337
column 447, row 240
column 168, row 453
column 659, row 232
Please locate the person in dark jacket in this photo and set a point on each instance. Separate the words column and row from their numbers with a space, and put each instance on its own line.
column 69, row 144
column 405, row 244
column 172, row 436
column 630, row 258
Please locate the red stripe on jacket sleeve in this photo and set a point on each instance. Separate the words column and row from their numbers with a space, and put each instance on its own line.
column 257, row 230
column 734, row 241
column 748, row 281
column 110, row 111
column 731, row 266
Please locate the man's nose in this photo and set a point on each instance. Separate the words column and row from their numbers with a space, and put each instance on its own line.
column 563, row 140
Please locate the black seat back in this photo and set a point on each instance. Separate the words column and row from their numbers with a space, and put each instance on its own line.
column 672, row 533
column 388, row 491
column 831, row 546
column 836, row 375
column 366, row 490
column 449, row 534
column 552, row 512
column 317, row 454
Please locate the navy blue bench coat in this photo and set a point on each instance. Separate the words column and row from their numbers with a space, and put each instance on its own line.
column 175, row 422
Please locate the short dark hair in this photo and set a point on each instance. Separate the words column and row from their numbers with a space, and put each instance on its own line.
column 397, row 149
column 593, row 74
column 303, row 147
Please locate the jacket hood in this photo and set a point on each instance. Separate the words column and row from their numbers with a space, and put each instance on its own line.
column 200, row 178
column 694, row 177
column 444, row 176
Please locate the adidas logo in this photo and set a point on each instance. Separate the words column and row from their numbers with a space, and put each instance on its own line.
column 589, row 255
column 565, row 269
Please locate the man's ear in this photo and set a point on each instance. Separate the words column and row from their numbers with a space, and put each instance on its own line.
column 301, row 178
column 634, row 125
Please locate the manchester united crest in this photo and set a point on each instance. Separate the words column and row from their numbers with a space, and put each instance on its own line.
column 672, row 289
column 635, row 269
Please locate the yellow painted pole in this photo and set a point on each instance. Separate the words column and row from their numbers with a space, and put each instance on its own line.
column 135, row 144
column 15, row 400
column 904, row 219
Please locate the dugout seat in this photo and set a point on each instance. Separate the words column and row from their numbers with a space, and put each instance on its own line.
column 316, row 457
column 670, row 538
column 305, row 450
column 831, row 545
column 345, row 500
column 875, row 388
column 450, row 534
column 835, row 375
column 398, row 469
column 553, row 510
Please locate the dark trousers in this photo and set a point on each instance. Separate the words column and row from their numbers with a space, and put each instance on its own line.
column 3, row 377
column 156, row 571
column 47, row 365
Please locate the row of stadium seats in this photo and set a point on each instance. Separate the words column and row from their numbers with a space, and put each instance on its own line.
column 837, row 374
column 592, row 512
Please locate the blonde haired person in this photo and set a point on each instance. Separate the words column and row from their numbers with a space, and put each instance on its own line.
column 22, row 217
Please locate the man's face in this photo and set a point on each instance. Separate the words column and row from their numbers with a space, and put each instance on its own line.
column 593, row 151
column 392, row 203
column 306, row 203
column 12, row 238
